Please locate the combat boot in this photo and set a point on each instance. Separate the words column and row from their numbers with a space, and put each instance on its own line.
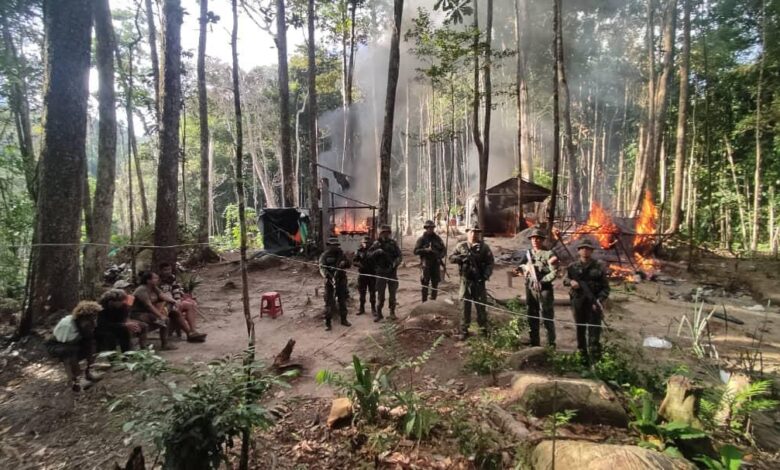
column 424, row 294
column 392, row 314
column 362, row 309
column 373, row 308
column 434, row 293
column 344, row 322
column 378, row 316
column 328, row 326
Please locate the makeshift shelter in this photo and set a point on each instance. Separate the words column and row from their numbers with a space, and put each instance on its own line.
column 501, row 205
column 283, row 230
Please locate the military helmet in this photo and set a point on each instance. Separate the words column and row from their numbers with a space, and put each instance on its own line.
column 333, row 241
column 537, row 233
column 428, row 224
column 474, row 227
column 586, row 244
column 385, row 228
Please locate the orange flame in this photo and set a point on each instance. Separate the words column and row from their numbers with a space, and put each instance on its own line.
column 599, row 225
column 347, row 224
column 645, row 233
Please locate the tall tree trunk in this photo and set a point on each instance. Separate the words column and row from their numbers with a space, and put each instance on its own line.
column 20, row 108
column 740, row 202
column 289, row 198
column 297, row 165
column 386, row 147
column 239, row 147
column 166, row 218
column 152, row 31
column 314, row 192
column 659, row 103
column 575, row 198
column 556, row 114
column 54, row 280
column 475, row 131
column 522, row 103
column 407, row 196
column 99, row 235
column 484, row 158
column 682, row 121
column 754, row 233
column 203, row 116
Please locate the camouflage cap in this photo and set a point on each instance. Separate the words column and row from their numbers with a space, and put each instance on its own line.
column 474, row 227
column 333, row 241
column 429, row 223
column 385, row 228
column 586, row 244
column 539, row 233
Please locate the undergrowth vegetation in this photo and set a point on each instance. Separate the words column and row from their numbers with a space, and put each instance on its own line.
column 193, row 414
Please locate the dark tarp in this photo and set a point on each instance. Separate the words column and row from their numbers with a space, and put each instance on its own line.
column 501, row 205
column 282, row 229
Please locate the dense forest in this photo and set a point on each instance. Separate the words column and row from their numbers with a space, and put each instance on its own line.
column 115, row 135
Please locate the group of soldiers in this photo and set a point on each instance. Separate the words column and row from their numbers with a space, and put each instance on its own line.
column 378, row 263
column 588, row 289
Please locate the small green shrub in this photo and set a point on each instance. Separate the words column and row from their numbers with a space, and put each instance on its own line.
column 479, row 443
column 485, row 358
column 419, row 419
column 556, row 420
column 730, row 459
column 365, row 388
column 195, row 413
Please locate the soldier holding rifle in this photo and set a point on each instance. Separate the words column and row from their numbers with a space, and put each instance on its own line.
column 589, row 285
column 476, row 266
column 430, row 249
column 538, row 267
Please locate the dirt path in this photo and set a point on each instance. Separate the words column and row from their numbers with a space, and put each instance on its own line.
column 41, row 422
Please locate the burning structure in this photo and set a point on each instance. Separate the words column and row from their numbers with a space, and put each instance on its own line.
column 627, row 243
column 346, row 218
column 502, row 205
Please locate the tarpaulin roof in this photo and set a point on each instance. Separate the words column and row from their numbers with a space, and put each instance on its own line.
column 281, row 228
column 531, row 192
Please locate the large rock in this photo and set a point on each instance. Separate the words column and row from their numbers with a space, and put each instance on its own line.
column 435, row 308
column 578, row 455
column 594, row 402
column 529, row 357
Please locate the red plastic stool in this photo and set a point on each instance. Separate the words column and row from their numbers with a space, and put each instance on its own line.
column 271, row 305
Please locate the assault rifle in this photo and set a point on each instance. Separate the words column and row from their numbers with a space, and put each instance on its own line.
column 530, row 273
column 589, row 293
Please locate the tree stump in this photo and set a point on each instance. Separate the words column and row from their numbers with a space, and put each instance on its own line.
column 737, row 383
column 681, row 401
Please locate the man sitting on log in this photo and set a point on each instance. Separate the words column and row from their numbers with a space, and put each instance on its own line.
column 182, row 309
column 114, row 326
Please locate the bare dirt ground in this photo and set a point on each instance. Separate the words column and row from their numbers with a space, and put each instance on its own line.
column 44, row 425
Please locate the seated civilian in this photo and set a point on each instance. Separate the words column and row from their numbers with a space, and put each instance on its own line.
column 114, row 326
column 73, row 339
column 149, row 307
column 183, row 309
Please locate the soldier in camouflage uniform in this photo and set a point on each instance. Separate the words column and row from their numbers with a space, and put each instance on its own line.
column 538, row 287
column 430, row 248
column 475, row 261
column 365, row 283
column 333, row 265
column 385, row 255
column 587, row 279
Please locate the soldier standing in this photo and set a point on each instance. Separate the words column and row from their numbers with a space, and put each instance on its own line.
column 333, row 265
column 538, row 267
column 430, row 248
column 365, row 283
column 587, row 278
column 385, row 255
column 476, row 266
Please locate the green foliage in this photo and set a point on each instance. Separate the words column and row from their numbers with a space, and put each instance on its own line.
column 366, row 388
column 558, row 419
column 232, row 235
column 484, row 357
column 507, row 336
column 663, row 437
column 740, row 406
column 195, row 413
column 419, row 419
column 730, row 459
